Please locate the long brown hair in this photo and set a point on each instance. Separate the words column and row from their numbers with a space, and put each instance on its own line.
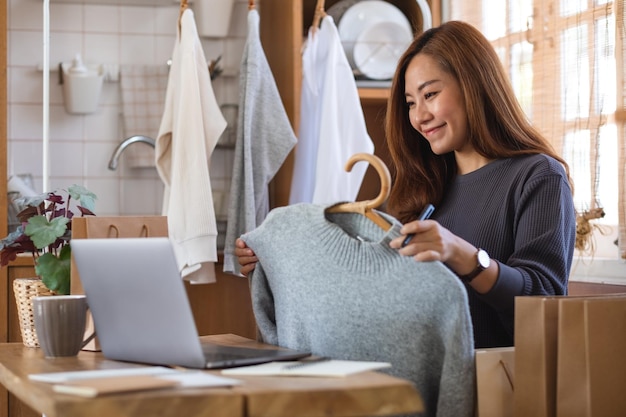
column 497, row 125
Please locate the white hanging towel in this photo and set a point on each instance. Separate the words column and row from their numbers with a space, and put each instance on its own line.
column 264, row 139
column 332, row 125
column 191, row 125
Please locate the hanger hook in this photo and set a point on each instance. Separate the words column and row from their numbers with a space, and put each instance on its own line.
column 183, row 6
column 383, row 173
column 319, row 14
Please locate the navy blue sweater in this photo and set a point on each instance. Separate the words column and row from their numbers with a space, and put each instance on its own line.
column 521, row 211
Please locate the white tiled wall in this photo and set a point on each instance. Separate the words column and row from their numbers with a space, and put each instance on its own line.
column 81, row 145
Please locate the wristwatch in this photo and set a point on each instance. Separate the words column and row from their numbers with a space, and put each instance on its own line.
column 483, row 262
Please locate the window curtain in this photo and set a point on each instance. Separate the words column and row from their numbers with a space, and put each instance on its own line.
column 566, row 61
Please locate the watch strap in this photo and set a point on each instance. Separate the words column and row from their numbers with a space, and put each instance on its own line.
column 479, row 268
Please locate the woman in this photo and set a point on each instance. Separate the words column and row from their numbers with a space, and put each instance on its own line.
column 504, row 220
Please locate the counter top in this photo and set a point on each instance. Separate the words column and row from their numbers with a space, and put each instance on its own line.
column 365, row 394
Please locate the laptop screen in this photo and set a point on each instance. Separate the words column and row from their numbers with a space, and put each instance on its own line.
column 140, row 307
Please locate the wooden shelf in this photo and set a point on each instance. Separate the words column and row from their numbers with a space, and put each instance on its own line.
column 374, row 94
column 408, row 7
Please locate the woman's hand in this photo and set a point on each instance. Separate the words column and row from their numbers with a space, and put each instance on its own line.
column 246, row 257
column 433, row 242
column 430, row 241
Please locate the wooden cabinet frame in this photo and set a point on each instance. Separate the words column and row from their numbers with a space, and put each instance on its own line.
column 4, row 280
column 3, row 159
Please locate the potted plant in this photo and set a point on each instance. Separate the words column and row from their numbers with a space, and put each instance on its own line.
column 45, row 232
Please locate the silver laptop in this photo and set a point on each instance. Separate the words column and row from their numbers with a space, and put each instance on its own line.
column 140, row 308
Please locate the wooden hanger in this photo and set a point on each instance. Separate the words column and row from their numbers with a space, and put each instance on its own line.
column 250, row 4
column 183, row 7
column 320, row 13
column 366, row 207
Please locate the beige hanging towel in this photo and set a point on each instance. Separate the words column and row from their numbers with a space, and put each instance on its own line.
column 191, row 126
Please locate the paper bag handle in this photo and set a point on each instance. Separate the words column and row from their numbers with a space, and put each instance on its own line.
column 507, row 372
column 145, row 232
column 113, row 227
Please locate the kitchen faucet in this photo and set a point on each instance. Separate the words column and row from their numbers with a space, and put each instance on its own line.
column 124, row 144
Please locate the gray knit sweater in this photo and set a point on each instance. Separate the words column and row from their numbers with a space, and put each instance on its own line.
column 330, row 284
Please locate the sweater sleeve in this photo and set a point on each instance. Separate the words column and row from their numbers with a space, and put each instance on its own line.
column 263, row 306
column 544, row 244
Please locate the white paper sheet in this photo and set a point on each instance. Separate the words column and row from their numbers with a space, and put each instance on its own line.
column 330, row 368
column 191, row 378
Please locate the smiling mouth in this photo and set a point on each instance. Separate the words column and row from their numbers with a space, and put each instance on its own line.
column 431, row 130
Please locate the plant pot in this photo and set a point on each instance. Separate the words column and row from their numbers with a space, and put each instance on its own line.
column 25, row 289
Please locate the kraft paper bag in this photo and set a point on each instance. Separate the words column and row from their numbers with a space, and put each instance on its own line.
column 495, row 381
column 591, row 371
column 571, row 359
column 111, row 227
column 536, row 321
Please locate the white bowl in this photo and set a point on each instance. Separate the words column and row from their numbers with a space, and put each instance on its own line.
column 358, row 17
column 378, row 49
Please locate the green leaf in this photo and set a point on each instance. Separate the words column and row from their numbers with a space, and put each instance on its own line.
column 55, row 271
column 44, row 232
column 79, row 193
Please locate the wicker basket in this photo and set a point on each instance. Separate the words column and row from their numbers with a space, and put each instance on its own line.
column 25, row 289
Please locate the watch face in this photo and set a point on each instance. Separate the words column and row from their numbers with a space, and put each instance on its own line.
column 483, row 259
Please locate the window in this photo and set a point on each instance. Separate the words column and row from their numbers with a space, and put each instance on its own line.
column 566, row 63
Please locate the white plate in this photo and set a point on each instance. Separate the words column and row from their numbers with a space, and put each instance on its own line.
column 378, row 48
column 427, row 17
column 363, row 14
column 338, row 9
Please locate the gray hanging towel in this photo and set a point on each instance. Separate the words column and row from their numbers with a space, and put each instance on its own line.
column 264, row 139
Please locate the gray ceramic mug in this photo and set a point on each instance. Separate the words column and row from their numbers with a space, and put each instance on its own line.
column 60, row 324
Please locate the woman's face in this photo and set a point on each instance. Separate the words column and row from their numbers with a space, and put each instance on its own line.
column 436, row 105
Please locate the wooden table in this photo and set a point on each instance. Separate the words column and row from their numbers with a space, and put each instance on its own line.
column 364, row 394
